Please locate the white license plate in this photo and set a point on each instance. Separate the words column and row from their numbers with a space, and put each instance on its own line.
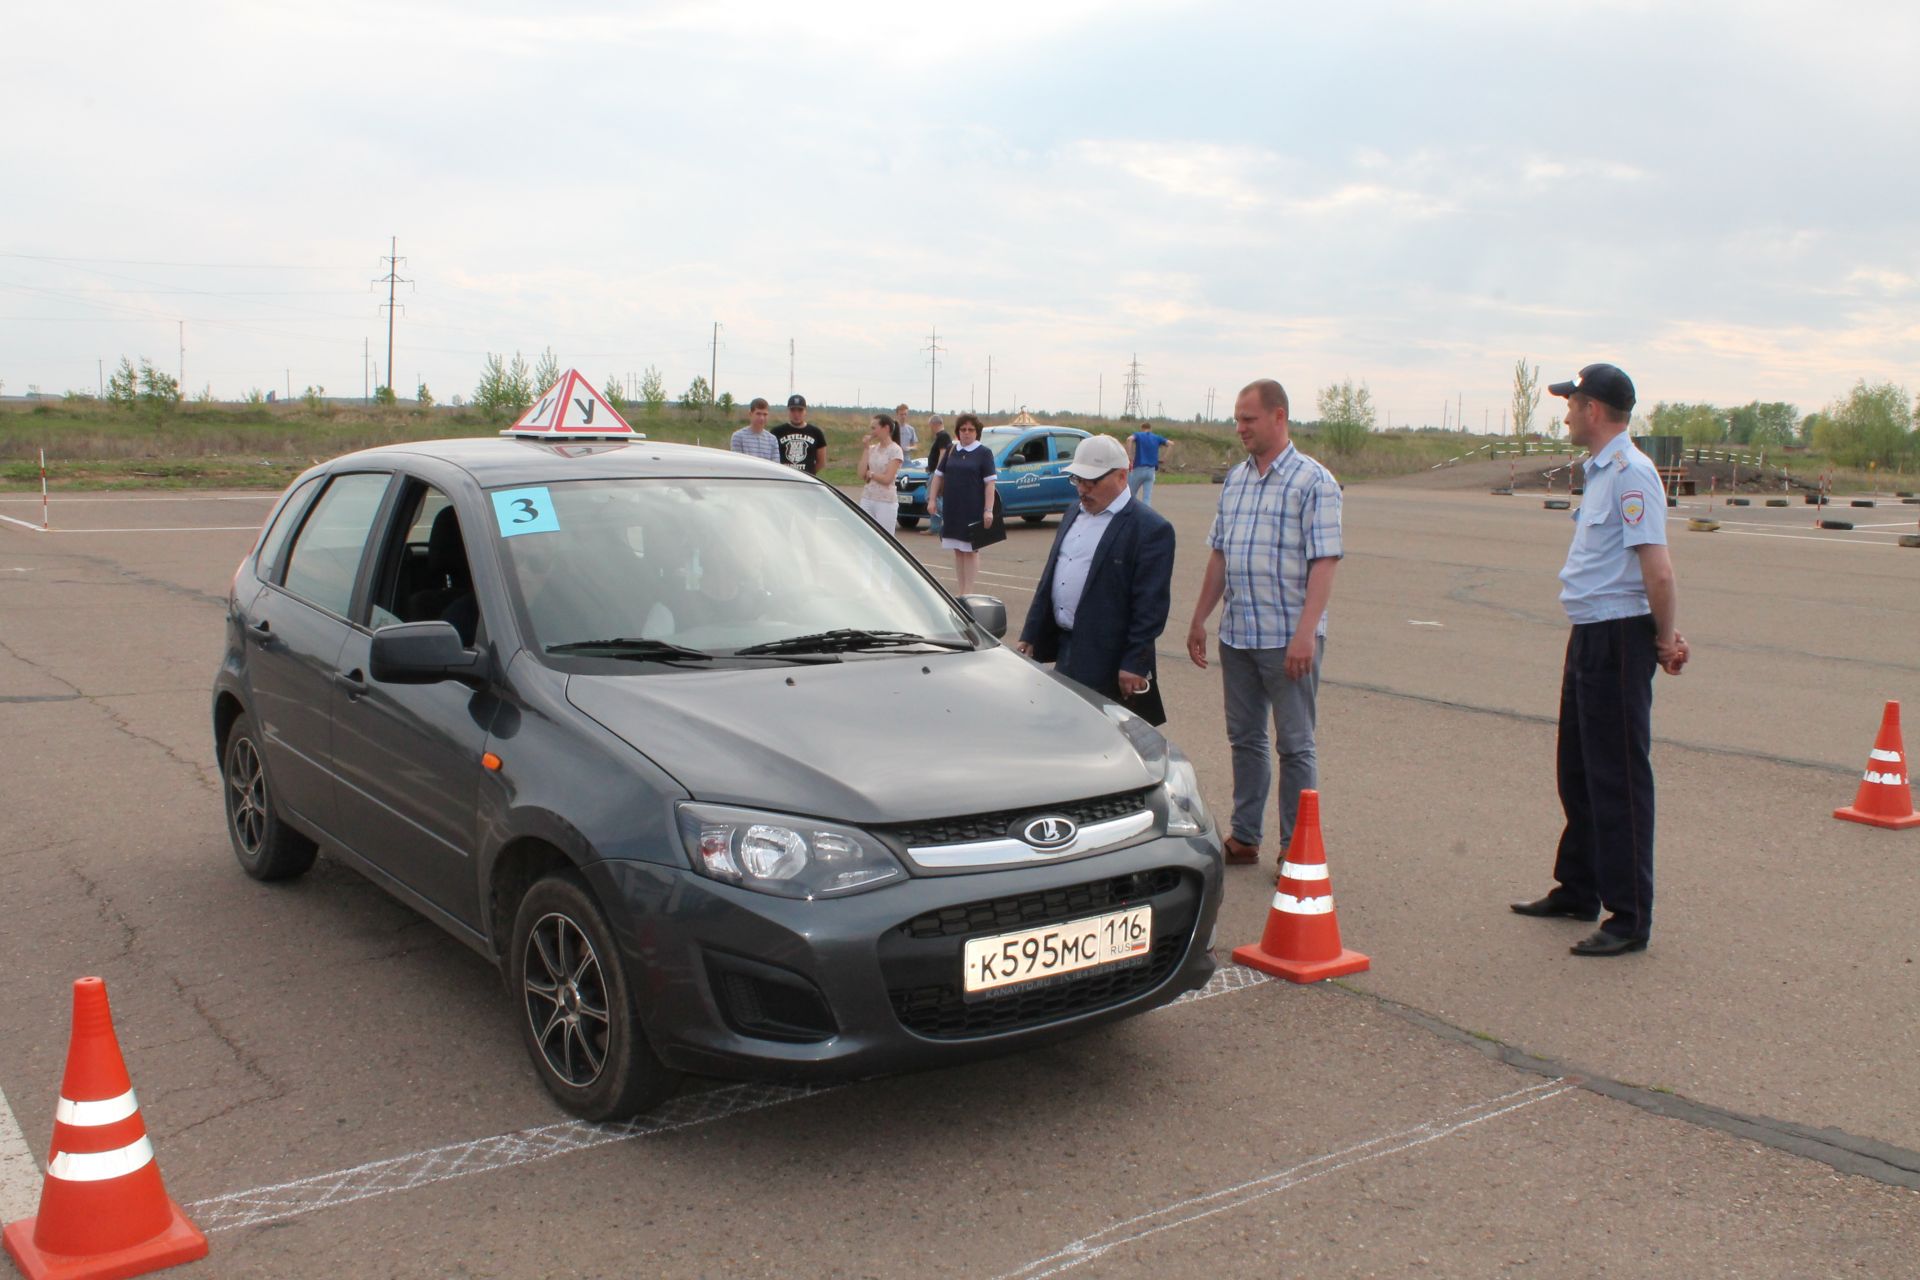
column 903, row 499
column 1010, row 959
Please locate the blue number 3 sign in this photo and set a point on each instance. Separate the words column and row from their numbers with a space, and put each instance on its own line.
column 520, row 511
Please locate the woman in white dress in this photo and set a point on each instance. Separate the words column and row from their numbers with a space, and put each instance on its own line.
column 879, row 464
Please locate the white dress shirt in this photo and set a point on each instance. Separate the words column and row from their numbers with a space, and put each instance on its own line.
column 1075, row 561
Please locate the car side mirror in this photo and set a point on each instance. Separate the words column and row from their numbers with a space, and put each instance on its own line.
column 988, row 612
column 421, row 653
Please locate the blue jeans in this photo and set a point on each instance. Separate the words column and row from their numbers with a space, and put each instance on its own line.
column 1256, row 686
column 1140, row 480
column 934, row 523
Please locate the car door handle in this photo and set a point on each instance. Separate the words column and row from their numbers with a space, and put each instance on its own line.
column 262, row 630
column 352, row 681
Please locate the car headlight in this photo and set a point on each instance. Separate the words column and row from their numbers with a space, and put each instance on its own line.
column 780, row 854
column 1179, row 785
column 1186, row 812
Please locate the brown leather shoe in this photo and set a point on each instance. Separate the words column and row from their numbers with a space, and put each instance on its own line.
column 1239, row 852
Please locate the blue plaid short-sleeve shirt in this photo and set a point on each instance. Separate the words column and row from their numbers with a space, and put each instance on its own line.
column 1271, row 526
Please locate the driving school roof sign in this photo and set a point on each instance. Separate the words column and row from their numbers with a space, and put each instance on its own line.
column 571, row 409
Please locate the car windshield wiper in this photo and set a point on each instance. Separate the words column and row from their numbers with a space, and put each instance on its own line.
column 848, row 638
column 632, row 647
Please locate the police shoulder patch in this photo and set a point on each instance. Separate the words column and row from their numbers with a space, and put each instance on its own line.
column 1633, row 506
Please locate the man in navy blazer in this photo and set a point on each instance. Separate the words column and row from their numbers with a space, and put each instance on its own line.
column 1103, row 599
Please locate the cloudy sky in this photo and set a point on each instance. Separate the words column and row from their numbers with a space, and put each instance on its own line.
column 1723, row 198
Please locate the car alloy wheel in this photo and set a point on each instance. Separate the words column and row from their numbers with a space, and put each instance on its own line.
column 577, row 1014
column 266, row 847
column 566, row 998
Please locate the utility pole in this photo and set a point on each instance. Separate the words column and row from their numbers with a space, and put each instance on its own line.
column 183, row 357
column 392, row 279
column 102, row 362
column 366, row 389
column 989, row 386
column 933, row 350
column 1458, row 420
column 713, row 366
column 1134, row 407
column 1100, row 397
column 789, row 366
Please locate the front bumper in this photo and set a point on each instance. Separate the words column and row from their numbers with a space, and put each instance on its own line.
column 736, row 983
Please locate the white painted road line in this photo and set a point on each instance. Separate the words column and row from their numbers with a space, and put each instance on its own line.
column 184, row 528
column 19, row 1171
column 1088, row 1248
column 484, row 1155
column 263, row 498
column 30, row 528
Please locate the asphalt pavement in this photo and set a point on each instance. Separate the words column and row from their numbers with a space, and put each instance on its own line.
column 334, row 1087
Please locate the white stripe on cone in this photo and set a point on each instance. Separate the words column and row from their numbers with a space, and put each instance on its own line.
column 1884, row 779
column 1322, row 905
column 1885, row 757
column 1302, row 871
column 100, row 1166
column 87, row 1115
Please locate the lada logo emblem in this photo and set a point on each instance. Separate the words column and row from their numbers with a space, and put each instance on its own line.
column 1046, row 834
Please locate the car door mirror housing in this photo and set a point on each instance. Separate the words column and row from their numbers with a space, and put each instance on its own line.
column 421, row 653
column 988, row 612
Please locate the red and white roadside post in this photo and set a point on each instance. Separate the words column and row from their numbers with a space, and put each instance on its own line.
column 44, row 526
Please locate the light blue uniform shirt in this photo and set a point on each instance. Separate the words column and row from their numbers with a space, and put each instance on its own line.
column 1624, row 507
column 1075, row 561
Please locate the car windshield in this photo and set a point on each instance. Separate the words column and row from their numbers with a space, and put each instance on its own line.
column 712, row 565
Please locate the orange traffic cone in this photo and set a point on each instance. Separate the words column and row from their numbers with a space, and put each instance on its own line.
column 1302, row 939
column 1885, row 798
column 104, row 1213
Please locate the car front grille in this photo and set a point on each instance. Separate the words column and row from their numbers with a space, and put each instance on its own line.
column 941, row 1013
column 1043, row 907
column 995, row 825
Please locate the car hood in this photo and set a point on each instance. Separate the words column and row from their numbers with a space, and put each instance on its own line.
column 871, row 740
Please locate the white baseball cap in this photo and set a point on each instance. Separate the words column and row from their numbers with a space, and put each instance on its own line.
column 1096, row 456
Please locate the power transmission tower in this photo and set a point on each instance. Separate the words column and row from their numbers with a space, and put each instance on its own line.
column 392, row 280
column 1133, row 408
column 933, row 350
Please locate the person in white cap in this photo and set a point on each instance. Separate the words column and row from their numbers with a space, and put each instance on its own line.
column 1103, row 598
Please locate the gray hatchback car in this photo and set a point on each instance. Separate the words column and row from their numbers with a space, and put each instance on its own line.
column 625, row 719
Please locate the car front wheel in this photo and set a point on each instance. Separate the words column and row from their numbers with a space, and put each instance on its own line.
column 268, row 849
column 575, row 1008
column 909, row 522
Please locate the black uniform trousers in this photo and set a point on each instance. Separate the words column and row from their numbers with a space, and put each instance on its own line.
column 1606, row 775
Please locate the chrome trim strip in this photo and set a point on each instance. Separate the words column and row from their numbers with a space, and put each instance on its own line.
column 1008, row 851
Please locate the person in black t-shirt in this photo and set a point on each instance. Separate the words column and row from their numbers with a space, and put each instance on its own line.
column 803, row 446
column 936, row 453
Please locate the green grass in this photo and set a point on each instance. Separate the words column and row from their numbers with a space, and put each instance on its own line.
column 93, row 445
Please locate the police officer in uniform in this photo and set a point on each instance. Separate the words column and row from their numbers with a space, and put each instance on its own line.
column 1618, row 591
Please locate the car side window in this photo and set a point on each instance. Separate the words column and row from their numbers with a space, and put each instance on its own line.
column 423, row 574
column 283, row 522
column 1063, row 447
column 1029, row 452
column 327, row 551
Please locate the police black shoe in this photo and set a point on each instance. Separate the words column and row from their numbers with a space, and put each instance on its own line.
column 1602, row 943
column 1553, row 905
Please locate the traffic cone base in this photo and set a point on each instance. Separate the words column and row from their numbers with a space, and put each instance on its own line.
column 1302, row 970
column 180, row 1241
column 1885, row 798
column 1852, row 814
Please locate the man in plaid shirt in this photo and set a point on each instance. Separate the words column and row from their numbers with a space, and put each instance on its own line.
column 754, row 439
column 1275, row 545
